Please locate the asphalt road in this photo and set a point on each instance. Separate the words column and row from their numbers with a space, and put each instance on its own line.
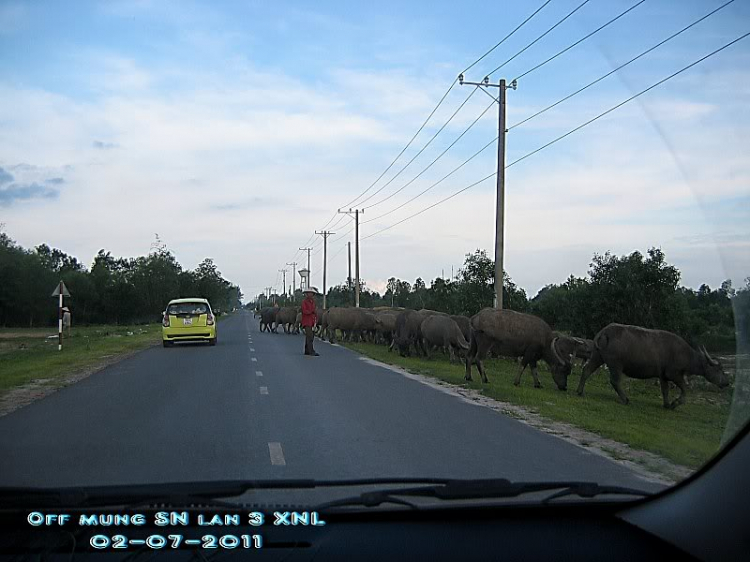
column 255, row 407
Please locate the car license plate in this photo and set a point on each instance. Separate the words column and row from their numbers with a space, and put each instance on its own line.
column 187, row 321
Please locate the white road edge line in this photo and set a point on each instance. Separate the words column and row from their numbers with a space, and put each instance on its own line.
column 277, row 455
column 258, row 373
column 264, row 390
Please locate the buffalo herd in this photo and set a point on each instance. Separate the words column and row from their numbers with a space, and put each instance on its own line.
column 632, row 351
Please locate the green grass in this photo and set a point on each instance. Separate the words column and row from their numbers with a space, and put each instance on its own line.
column 688, row 435
column 27, row 355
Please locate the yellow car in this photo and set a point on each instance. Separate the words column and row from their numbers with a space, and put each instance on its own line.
column 188, row 320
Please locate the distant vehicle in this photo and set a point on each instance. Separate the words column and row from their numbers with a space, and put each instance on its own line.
column 188, row 320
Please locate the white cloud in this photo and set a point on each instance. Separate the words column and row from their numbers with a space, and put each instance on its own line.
column 259, row 167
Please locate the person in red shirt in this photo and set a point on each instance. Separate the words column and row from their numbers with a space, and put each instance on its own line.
column 309, row 319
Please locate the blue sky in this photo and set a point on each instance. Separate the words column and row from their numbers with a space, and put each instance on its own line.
column 235, row 129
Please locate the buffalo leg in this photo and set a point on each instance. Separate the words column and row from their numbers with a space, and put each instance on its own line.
column 680, row 382
column 471, row 356
column 664, row 390
column 451, row 353
column 425, row 347
column 615, row 379
column 517, row 380
column 480, row 345
column 592, row 365
column 535, row 374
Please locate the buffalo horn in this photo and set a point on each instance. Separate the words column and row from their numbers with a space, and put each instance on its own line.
column 554, row 351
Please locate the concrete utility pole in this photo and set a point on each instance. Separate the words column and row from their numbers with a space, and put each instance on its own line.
column 349, row 278
column 500, row 209
column 356, row 213
column 308, row 257
column 283, row 272
column 294, row 277
column 325, row 234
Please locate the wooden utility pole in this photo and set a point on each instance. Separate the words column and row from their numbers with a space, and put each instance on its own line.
column 500, row 199
column 325, row 234
column 355, row 212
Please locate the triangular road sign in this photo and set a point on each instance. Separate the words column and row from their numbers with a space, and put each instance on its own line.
column 65, row 292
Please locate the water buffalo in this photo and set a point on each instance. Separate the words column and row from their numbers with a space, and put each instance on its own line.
column 641, row 353
column 408, row 330
column 267, row 319
column 442, row 331
column 515, row 334
column 286, row 317
column 385, row 325
column 347, row 320
column 464, row 324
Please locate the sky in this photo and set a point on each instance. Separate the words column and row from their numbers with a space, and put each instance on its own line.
column 235, row 130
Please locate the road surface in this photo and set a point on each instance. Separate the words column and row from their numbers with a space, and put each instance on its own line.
column 255, row 407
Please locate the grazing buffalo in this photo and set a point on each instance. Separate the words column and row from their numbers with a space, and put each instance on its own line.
column 408, row 332
column 442, row 331
column 464, row 324
column 515, row 334
column 352, row 322
column 641, row 353
column 385, row 326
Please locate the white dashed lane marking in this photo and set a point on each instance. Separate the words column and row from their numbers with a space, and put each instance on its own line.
column 252, row 349
column 277, row 455
column 253, row 359
column 264, row 390
column 258, row 373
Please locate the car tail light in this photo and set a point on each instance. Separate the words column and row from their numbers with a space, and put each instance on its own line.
column 210, row 320
column 165, row 321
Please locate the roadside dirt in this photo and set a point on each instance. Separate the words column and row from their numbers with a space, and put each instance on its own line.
column 36, row 390
column 647, row 465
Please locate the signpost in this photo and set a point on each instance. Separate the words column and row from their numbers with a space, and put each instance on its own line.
column 61, row 290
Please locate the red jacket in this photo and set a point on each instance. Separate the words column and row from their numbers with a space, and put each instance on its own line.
column 308, row 313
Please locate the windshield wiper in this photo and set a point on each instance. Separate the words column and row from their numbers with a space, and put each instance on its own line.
column 481, row 489
column 207, row 493
column 178, row 493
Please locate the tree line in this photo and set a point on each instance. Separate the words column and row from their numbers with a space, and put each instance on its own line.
column 637, row 289
column 114, row 290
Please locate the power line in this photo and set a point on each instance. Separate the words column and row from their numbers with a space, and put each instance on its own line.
column 485, row 147
column 581, row 5
column 619, row 67
column 524, row 22
column 440, row 130
column 442, row 99
column 662, row 81
column 407, row 184
column 631, row 98
column 582, row 39
column 492, row 175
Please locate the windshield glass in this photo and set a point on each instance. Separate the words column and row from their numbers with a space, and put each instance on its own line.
column 187, row 308
column 440, row 240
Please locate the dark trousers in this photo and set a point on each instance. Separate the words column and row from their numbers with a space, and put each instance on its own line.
column 309, row 337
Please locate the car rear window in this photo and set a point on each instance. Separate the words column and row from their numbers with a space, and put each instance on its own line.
column 187, row 308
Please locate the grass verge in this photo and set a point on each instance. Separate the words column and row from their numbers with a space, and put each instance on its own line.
column 28, row 355
column 688, row 435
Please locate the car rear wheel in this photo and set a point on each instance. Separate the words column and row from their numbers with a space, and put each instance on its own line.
column 212, row 341
column 167, row 343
